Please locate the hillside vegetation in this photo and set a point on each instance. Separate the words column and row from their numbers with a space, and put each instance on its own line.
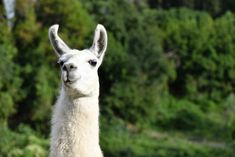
column 167, row 80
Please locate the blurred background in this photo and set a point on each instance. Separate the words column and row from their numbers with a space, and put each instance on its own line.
column 167, row 80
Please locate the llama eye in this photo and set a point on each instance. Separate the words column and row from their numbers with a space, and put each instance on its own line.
column 60, row 63
column 92, row 62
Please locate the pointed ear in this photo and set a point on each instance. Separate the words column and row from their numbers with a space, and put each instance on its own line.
column 57, row 43
column 99, row 42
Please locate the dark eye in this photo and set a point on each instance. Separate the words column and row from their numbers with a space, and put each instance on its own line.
column 92, row 62
column 60, row 63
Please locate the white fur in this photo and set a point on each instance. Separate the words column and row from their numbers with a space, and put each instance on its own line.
column 75, row 121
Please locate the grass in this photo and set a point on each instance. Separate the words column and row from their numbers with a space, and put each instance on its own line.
column 119, row 141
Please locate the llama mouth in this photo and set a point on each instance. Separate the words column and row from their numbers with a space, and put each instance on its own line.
column 69, row 81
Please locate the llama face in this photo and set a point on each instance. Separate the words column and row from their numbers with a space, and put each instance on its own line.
column 79, row 72
column 79, row 68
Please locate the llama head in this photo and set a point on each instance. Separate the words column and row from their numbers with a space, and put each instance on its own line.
column 79, row 67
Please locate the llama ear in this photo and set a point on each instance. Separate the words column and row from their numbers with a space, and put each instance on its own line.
column 99, row 42
column 57, row 43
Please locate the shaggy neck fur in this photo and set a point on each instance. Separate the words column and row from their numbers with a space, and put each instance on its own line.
column 75, row 126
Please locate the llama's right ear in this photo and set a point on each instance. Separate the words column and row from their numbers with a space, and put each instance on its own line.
column 99, row 45
column 57, row 43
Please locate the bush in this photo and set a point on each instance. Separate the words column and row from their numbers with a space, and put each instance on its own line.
column 23, row 144
column 181, row 115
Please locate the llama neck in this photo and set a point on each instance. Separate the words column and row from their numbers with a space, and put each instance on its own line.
column 76, row 126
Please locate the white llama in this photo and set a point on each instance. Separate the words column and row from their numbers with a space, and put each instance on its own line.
column 75, row 121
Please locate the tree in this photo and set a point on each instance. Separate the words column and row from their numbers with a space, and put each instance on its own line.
column 9, row 75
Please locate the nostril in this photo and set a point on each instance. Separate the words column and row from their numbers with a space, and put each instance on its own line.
column 64, row 68
column 69, row 67
column 72, row 67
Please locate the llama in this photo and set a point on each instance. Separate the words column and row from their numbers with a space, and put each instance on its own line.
column 75, row 120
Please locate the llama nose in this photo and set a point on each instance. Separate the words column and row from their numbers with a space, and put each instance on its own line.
column 69, row 67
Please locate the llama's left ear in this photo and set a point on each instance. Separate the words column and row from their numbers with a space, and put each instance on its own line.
column 99, row 45
column 57, row 43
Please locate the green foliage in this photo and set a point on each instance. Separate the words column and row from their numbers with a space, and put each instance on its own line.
column 74, row 20
column 213, row 7
column 204, row 65
column 9, row 72
column 229, row 109
column 166, row 70
column 25, row 143
column 117, row 141
column 181, row 115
